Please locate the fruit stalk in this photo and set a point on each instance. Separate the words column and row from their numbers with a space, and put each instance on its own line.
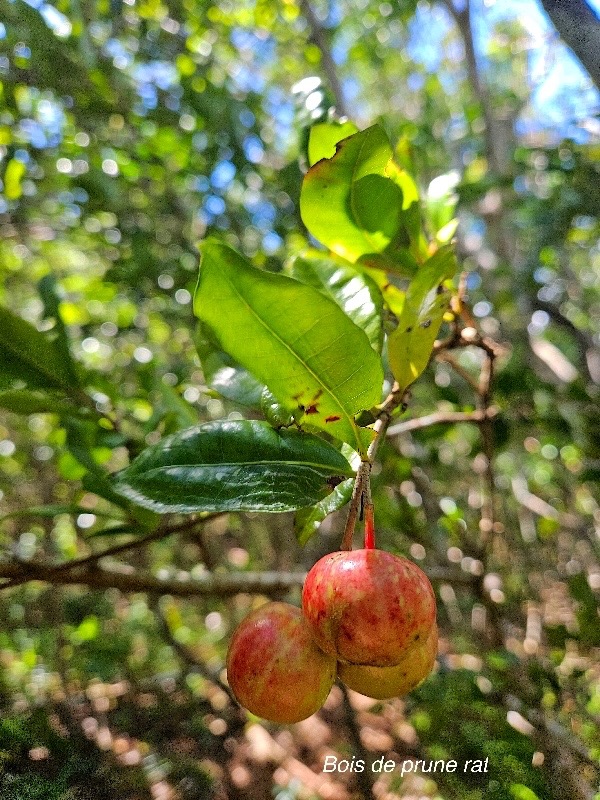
column 369, row 527
column 368, row 513
column 357, row 503
column 361, row 495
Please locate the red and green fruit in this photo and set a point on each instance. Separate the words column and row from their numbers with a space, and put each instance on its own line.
column 368, row 606
column 274, row 667
column 382, row 683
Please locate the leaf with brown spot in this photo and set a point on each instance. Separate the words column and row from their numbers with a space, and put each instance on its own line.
column 411, row 344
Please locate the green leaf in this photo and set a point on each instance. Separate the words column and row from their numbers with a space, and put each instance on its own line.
column 88, row 630
column 222, row 374
column 102, row 486
column 413, row 252
column 440, row 204
column 240, row 465
column 316, row 362
column 27, row 401
column 347, row 202
column 49, row 294
column 82, row 443
column 324, row 137
column 182, row 413
column 410, row 191
column 426, row 302
column 309, row 519
column 355, row 293
column 53, row 510
column 392, row 295
column 29, row 356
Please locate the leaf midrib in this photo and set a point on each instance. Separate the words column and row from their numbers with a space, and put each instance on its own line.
column 230, row 464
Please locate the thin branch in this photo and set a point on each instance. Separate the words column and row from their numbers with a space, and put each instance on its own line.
column 127, row 580
column 394, row 400
column 134, row 544
column 209, row 585
column 588, row 350
column 584, row 339
column 463, row 23
column 464, row 374
column 187, row 656
column 329, row 65
column 442, row 418
column 539, row 720
column 468, row 336
column 487, row 437
column 541, row 507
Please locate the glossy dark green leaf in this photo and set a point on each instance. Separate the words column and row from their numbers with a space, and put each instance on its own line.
column 222, row 374
column 347, row 202
column 355, row 292
column 242, row 465
column 29, row 356
column 324, row 137
column 313, row 358
column 309, row 519
column 425, row 303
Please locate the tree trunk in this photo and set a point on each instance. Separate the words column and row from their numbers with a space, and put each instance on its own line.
column 579, row 28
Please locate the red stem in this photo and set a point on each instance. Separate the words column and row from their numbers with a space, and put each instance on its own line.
column 369, row 527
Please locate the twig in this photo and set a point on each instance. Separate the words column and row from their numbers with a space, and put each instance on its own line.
column 442, row 418
column 134, row 544
column 396, row 399
column 186, row 655
column 588, row 350
column 213, row 584
column 464, row 374
column 541, row 507
column 463, row 22
column 329, row 65
column 487, row 436
column 539, row 720
column 222, row 585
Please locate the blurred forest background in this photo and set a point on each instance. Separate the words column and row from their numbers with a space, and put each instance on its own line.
column 129, row 129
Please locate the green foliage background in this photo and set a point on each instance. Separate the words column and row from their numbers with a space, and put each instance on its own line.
column 128, row 133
